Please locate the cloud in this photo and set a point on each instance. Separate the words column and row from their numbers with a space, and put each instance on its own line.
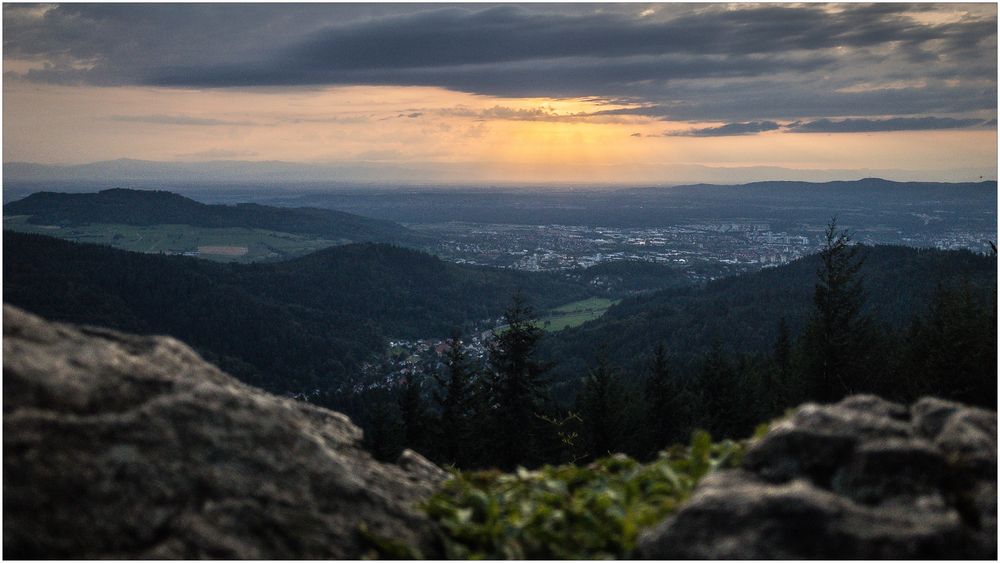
column 692, row 62
column 452, row 37
column 506, row 113
column 891, row 124
column 512, row 51
column 161, row 119
column 853, row 125
column 752, row 100
column 728, row 130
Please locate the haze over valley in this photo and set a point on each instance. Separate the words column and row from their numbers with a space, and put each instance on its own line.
column 498, row 281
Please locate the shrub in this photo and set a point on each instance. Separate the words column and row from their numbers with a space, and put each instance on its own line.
column 570, row 512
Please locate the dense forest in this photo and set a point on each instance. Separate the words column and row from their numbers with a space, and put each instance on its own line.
column 145, row 207
column 289, row 327
column 744, row 313
column 723, row 357
column 504, row 413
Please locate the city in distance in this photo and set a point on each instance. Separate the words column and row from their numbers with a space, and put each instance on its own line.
column 500, row 281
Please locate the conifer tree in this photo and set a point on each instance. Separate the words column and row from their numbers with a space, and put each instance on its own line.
column 784, row 389
column 665, row 408
column 952, row 351
column 413, row 414
column 601, row 409
column 518, row 392
column 455, row 400
column 718, row 395
column 480, row 450
column 839, row 337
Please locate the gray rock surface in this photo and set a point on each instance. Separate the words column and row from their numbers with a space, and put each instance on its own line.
column 118, row 446
column 863, row 478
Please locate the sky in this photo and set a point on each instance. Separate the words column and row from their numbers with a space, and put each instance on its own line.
column 601, row 93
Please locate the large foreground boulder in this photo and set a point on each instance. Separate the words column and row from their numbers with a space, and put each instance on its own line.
column 118, row 446
column 861, row 479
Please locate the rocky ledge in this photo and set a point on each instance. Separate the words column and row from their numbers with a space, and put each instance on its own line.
column 860, row 479
column 118, row 446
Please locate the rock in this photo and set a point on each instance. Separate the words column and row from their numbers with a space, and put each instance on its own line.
column 119, row 446
column 861, row 479
column 419, row 466
column 881, row 470
column 930, row 414
column 735, row 516
column 815, row 440
column 790, row 451
column 871, row 404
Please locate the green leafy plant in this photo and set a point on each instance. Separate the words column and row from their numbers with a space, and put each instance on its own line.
column 570, row 512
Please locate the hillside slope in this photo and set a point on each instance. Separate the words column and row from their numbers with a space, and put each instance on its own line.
column 143, row 208
column 305, row 322
column 743, row 312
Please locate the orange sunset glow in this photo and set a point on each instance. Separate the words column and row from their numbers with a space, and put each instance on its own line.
column 603, row 124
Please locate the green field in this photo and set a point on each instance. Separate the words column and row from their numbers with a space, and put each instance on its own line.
column 225, row 244
column 575, row 313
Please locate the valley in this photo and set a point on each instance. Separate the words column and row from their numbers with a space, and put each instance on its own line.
column 507, row 281
column 220, row 244
column 703, row 232
column 357, row 313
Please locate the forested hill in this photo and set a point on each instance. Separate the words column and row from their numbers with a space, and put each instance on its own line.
column 304, row 323
column 145, row 207
column 742, row 313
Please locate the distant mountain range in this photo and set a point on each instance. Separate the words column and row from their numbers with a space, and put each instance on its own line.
column 863, row 183
column 865, row 192
column 143, row 207
column 271, row 172
column 126, row 170
column 897, row 207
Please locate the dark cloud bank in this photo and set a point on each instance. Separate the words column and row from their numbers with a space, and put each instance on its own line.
column 751, row 65
column 834, row 126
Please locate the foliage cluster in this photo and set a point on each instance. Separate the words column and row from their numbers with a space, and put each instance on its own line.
column 568, row 511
